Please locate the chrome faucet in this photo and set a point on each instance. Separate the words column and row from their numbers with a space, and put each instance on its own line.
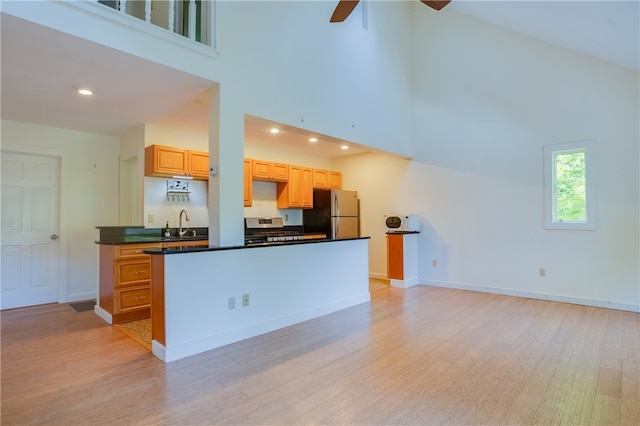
column 181, row 232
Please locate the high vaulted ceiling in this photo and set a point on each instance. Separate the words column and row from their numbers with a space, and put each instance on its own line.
column 40, row 65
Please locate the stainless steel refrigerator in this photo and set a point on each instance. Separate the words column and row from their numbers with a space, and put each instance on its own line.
column 334, row 213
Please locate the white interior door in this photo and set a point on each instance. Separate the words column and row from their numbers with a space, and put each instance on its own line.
column 29, row 230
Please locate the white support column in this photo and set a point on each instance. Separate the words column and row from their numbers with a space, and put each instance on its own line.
column 226, row 153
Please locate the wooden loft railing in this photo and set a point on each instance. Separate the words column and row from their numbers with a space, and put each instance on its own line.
column 185, row 17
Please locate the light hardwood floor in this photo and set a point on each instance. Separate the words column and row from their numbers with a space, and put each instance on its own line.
column 421, row 355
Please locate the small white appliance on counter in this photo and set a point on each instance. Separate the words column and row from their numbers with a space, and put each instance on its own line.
column 402, row 223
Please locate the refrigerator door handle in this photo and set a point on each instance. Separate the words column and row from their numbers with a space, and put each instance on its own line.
column 335, row 203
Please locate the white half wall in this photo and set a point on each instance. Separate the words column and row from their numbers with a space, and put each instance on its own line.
column 286, row 285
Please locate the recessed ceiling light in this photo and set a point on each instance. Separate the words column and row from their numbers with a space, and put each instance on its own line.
column 274, row 130
column 313, row 139
column 344, row 147
column 84, row 91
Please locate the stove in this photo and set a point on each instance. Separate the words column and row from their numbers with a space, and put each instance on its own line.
column 263, row 230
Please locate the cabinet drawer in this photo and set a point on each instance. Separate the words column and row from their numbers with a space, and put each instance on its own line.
column 133, row 298
column 127, row 273
column 133, row 251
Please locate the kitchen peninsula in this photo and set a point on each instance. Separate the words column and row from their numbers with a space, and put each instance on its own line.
column 125, row 271
column 207, row 297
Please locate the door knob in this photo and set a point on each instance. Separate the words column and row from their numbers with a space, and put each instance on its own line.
column 54, row 237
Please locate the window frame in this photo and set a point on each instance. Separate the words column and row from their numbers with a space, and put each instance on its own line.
column 550, row 151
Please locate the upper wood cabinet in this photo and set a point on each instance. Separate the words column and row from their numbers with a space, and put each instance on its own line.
column 297, row 193
column 198, row 164
column 320, row 179
column 295, row 183
column 306, row 188
column 248, row 187
column 335, row 180
column 166, row 161
column 326, row 179
column 269, row 171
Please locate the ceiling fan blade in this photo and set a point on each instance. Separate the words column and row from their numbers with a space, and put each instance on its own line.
column 343, row 10
column 437, row 5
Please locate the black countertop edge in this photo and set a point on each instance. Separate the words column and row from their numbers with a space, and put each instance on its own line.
column 176, row 250
column 403, row 232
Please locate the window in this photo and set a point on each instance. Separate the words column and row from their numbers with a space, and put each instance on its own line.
column 569, row 186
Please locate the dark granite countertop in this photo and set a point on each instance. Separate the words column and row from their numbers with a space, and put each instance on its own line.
column 138, row 239
column 176, row 250
column 116, row 235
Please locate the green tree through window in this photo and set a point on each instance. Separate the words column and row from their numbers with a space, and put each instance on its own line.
column 570, row 187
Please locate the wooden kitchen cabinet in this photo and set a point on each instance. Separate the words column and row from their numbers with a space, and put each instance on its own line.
column 166, row 161
column 248, row 187
column 297, row 193
column 335, row 180
column 125, row 281
column 395, row 256
column 125, row 278
column 326, row 179
column 402, row 259
column 269, row 171
column 198, row 164
column 306, row 188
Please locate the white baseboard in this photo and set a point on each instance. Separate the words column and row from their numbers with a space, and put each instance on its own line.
column 404, row 283
column 103, row 314
column 534, row 295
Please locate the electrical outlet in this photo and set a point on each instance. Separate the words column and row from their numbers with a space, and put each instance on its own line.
column 232, row 303
column 434, row 263
column 245, row 300
column 286, row 218
column 542, row 272
column 151, row 218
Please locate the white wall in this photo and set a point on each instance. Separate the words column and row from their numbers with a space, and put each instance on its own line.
column 285, row 61
column 88, row 195
column 493, row 99
column 157, row 135
column 164, row 209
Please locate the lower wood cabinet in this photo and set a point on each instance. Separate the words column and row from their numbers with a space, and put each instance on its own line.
column 125, row 281
column 395, row 256
column 125, row 278
column 133, row 298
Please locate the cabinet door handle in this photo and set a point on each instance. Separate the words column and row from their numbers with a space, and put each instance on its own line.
column 139, row 298
column 139, row 272
column 138, row 251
